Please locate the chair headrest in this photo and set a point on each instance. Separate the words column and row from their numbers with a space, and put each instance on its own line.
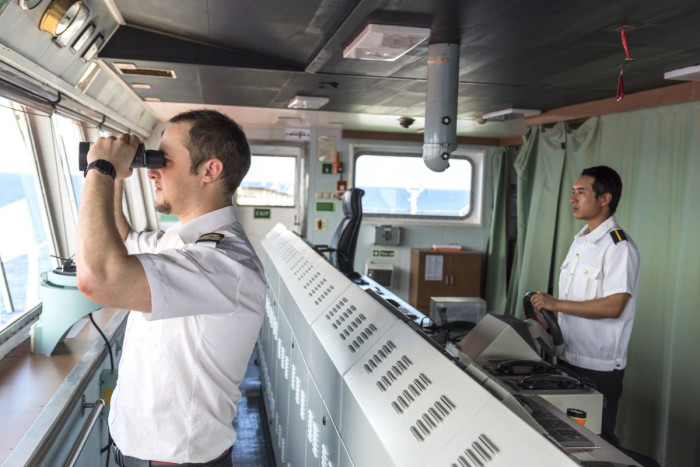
column 352, row 202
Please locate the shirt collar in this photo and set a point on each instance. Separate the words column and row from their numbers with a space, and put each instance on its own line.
column 599, row 232
column 205, row 223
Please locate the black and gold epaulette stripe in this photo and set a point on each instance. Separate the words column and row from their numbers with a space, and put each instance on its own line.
column 210, row 237
column 618, row 236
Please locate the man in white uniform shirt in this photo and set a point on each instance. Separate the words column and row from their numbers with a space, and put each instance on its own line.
column 597, row 291
column 196, row 291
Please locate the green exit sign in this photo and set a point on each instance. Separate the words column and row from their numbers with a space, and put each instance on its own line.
column 383, row 253
column 325, row 206
column 261, row 213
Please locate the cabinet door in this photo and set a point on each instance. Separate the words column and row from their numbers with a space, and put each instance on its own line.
column 463, row 271
column 431, row 279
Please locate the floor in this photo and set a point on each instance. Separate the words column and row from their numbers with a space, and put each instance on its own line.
column 253, row 446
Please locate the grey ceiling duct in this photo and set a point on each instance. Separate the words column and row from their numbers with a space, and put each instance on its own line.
column 440, row 137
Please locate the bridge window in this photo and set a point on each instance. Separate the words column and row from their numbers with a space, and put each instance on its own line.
column 68, row 135
column 25, row 244
column 400, row 185
column 271, row 181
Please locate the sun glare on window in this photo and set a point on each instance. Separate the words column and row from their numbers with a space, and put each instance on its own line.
column 397, row 185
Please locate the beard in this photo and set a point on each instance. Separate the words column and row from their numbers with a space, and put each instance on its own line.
column 163, row 207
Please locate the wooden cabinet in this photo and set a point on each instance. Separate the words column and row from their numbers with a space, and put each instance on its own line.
column 443, row 274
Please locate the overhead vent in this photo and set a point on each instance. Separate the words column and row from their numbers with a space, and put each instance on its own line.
column 385, row 42
column 149, row 72
column 508, row 114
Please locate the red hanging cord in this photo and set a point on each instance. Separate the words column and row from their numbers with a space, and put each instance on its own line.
column 624, row 44
column 628, row 60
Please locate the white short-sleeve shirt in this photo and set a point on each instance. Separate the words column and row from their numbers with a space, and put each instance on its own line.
column 600, row 263
column 181, row 365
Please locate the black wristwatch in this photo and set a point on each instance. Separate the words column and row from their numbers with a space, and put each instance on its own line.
column 103, row 167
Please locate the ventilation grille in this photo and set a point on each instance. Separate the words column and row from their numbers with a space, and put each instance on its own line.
column 287, row 252
column 392, row 374
column 381, row 355
column 150, row 72
column 302, row 268
column 351, row 326
column 272, row 319
column 429, row 421
column 318, row 288
column 411, row 393
column 382, row 276
column 481, row 452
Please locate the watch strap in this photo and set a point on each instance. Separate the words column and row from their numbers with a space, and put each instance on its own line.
column 102, row 166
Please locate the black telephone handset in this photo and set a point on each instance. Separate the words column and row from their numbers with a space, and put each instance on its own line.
column 455, row 325
column 546, row 381
column 507, row 366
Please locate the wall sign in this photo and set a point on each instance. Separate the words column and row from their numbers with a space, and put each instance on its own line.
column 261, row 213
column 297, row 134
column 377, row 253
column 325, row 206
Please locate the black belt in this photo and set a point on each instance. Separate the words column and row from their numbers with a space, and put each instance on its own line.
column 128, row 461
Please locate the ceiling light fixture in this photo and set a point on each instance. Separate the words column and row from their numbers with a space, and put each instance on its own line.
column 384, row 42
column 59, row 15
column 509, row 114
column 307, row 102
column 141, row 85
column 152, row 99
column 690, row 73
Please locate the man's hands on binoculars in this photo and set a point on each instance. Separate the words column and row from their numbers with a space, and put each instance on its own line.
column 119, row 151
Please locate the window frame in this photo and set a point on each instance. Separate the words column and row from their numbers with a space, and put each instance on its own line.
column 28, row 136
column 297, row 179
column 474, row 155
column 65, row 162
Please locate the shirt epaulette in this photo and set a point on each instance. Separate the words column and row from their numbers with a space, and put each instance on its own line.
column 210, row 237
column 618, row 236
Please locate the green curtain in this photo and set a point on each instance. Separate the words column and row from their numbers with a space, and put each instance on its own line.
column 497, row 247
column 656, row 153
column 539, row 168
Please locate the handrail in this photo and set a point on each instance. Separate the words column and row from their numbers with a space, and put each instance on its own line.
column 79, row 444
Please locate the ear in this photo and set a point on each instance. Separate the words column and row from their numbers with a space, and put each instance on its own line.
column 605, row 199
column 213, row 168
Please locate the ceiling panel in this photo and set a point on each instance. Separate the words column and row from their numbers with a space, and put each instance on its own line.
column 514, row 53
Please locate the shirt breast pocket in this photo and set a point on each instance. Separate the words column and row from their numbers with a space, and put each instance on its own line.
column 585, row 282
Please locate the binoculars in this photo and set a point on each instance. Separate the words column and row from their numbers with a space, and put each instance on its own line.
column 144, row 158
